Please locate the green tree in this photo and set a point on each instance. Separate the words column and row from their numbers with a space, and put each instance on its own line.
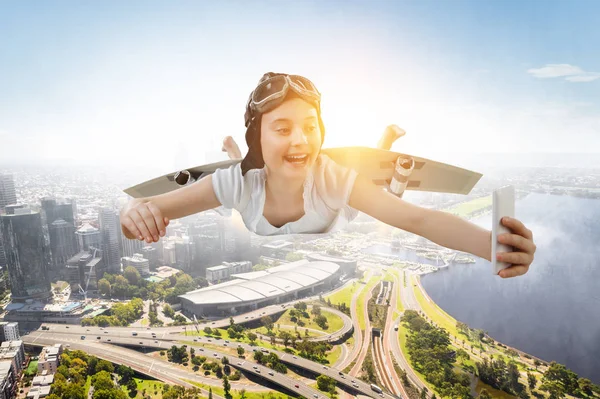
column 325, row 383
column 104, row 286
column 240, row 351
column 226, row 388
column 252, row 337
column 168, row 311
column 485, row 394
column 586, row 386
column 102, row 380
column 104, row 365
column 531, row 380
column 267, row 322
column 132, row 275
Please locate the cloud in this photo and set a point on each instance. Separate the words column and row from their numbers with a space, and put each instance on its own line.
column 570, row 72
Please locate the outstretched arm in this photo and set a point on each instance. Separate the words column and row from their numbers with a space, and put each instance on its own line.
column 146, row 218
column 440, row 227
column 443, row 228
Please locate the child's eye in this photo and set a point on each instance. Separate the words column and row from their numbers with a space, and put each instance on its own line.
column 311, row 129
column 283, row 130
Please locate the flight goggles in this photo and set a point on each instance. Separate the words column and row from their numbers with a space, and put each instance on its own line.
column 272, row 91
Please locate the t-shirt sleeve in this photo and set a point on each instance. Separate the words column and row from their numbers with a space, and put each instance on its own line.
column 228, row 185
column 336, row 182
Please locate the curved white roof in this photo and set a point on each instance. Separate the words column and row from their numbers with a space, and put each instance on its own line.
column 303, row 275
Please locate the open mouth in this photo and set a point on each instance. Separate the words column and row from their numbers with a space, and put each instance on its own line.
column 297, row 159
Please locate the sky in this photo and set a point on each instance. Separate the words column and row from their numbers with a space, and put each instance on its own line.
column 158, row 85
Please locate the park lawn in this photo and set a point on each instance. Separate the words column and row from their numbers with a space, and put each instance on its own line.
column 467, row 208
column 344, row 295
column 291, row 329
column 360, row 302
column 334, row 354
column 32, row 368
column 148, row 386
column 402, row 331
column 334, row 322
column 88, row 384
column 236, row 393
column 397, row 288
column 224, row 336
column 434, row 312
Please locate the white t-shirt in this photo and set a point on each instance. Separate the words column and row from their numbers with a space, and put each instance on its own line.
column 327, row 190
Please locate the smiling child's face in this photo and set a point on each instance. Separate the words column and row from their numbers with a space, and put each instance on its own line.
column 290, row 138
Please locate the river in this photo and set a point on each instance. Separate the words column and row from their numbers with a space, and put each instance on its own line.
column 553, row 311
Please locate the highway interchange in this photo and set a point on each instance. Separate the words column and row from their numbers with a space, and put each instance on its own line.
column 119, row 345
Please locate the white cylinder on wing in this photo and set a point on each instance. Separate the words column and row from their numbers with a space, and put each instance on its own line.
column 402, row 170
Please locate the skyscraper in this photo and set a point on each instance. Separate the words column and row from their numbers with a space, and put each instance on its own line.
column 27, row 255
column 63, row 243
column 8, row 195
column 130, row 247
column 60, row 221
column 110, row 231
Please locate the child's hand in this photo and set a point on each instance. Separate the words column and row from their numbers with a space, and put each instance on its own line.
column 521, row 238
column 144, row 221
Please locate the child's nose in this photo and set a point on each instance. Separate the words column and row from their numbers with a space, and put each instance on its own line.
column 298, row 136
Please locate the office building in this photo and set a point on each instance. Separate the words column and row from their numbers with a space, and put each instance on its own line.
column 28, row 257
column 110, row 227
column 84, row 270
column 8, row 380
column 137, row 260
column 8, row 194
column 9, row 331
column 88, row 238
column 224, row 271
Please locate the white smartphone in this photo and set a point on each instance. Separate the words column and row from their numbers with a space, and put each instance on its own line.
column 503, row 204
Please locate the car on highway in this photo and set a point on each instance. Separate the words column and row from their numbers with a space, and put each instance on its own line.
column 108, row 340
column 156, row 341
column 83, row 337
column 97, row 337
column 297, row 386
column 271, row 373
column 239, row 363
column 105, row 332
